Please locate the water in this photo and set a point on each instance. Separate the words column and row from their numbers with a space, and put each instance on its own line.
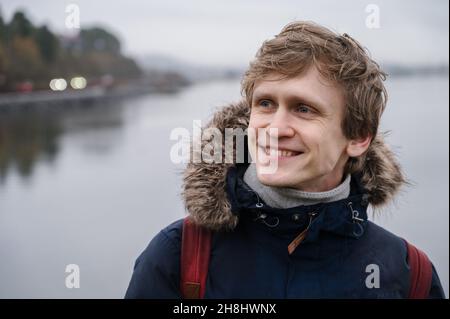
column 93, row 184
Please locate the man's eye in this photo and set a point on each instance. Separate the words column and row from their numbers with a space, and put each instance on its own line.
column 264, row 103
column 303, row 109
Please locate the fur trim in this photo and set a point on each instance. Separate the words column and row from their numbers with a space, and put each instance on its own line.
column 204, row 187
column 381, row 174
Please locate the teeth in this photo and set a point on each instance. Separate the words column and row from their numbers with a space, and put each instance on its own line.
column 281, row 153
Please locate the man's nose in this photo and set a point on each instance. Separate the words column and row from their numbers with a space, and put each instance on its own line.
column 280, row 123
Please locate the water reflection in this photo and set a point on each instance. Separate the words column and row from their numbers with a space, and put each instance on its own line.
column 25, row 138
column 32, row 133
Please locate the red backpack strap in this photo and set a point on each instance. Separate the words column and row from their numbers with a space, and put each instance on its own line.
column 195, row 251
column 421, row 273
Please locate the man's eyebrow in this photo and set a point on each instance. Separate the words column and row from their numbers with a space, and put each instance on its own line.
column 307, row 100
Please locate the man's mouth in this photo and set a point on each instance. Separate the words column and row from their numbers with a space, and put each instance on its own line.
column 281, row 152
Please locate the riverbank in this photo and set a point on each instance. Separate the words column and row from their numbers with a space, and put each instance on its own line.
column 50, row 98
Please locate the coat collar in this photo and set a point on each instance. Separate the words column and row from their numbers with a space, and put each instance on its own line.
column 346, row 217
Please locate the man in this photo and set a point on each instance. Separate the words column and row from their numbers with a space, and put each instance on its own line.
column 300, row 231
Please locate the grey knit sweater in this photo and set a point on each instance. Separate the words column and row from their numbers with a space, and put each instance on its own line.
column 279, row 197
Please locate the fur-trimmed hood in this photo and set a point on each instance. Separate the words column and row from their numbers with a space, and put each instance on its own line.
column 204, row 188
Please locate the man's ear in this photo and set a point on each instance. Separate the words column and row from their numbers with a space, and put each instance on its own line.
column 358, row 146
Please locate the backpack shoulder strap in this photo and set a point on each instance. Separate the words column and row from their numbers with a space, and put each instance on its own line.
column 195, row 251
column 421, row 273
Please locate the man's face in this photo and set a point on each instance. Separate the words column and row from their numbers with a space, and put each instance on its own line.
column 307, row 112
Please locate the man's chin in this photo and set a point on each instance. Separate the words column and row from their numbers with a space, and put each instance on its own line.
column 274, row 179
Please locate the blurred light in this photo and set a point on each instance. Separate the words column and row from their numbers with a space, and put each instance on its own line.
column 78, row 83
column 58, row 84
column 52, row 84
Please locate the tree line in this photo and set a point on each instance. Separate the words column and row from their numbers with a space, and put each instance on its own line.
column 30, row 56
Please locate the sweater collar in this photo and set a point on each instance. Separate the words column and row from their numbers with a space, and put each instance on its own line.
column 281, row 197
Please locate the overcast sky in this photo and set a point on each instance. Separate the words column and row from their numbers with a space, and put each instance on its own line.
column 228, row 33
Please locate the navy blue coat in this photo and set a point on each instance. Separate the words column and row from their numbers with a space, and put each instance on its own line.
column 252, row 260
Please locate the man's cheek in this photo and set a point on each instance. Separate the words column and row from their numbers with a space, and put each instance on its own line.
column 329, row 161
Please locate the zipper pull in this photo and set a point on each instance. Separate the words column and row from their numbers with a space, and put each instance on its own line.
column 300, row 237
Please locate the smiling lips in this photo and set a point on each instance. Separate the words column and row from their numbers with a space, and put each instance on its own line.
column 281, row 152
